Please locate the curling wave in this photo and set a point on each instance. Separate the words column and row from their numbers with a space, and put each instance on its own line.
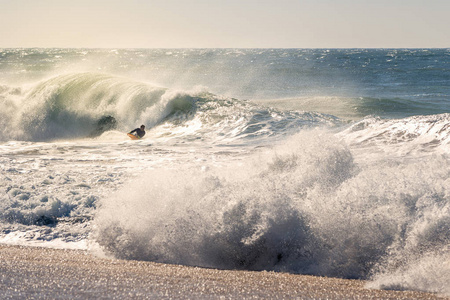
column 87, row 104
column 72, row 106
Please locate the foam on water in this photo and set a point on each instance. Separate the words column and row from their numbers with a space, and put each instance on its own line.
column 307, row 206
column 408, row 137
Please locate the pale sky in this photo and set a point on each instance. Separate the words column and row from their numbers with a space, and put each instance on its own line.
column 225, row 23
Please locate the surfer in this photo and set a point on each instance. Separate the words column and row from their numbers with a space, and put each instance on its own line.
column 140, row 132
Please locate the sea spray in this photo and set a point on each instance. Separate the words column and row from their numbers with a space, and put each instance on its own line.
column 420, row 258
column 220, row 218
column 304, row 207
column 428, row 271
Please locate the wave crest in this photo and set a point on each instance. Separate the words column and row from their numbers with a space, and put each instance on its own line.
column 70, row 106
column 405, row 136
column 74, row 105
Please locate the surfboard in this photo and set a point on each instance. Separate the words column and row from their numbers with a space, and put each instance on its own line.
column 132, row 136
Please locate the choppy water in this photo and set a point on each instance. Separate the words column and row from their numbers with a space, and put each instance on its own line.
column 325, row 162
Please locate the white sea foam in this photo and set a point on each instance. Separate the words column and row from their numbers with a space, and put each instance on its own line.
column 306, row 206
column 425, row 272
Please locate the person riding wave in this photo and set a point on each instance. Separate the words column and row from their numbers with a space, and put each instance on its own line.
column 140, row 132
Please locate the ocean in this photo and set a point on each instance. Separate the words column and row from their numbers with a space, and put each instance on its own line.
column 329, row 162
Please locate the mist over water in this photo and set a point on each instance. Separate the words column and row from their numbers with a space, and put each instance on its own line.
column 324, row 162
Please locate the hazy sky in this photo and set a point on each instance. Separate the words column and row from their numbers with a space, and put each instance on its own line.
column 225, row 23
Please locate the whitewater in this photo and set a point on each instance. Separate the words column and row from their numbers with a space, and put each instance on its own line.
column 330, row 162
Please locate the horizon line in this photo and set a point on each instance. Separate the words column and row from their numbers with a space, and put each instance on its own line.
column 155, row 48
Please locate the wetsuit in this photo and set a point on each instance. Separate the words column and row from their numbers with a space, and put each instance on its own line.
column 139, row 132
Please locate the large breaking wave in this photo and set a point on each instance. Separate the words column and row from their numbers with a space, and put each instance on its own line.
column 70, row 106
column 87, row 104
column 308, row 206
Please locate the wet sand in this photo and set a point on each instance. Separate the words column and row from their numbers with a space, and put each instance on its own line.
column 41, row 273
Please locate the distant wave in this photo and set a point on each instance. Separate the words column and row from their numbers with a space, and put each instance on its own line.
column 356, row 108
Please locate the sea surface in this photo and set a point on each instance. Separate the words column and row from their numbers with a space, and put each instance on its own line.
column 330, row 162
